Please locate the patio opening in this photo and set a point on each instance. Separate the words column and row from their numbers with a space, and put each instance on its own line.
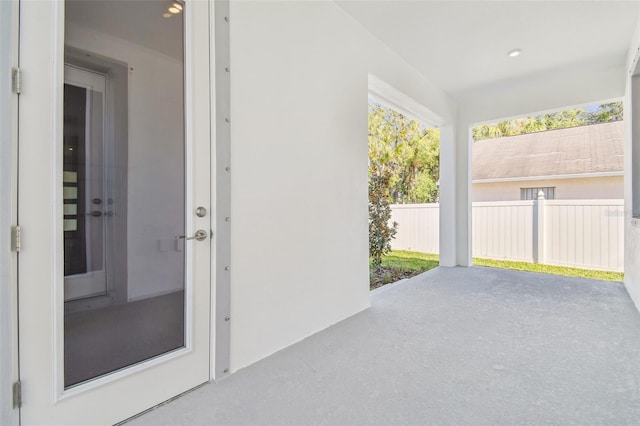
column 404, row 163
column 547, row 196
column 547, row 192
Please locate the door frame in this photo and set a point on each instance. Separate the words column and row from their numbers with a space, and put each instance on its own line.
column 9, row 61
column 221, row 204
column 46, row 98
column 191, row 115
column 221, row 188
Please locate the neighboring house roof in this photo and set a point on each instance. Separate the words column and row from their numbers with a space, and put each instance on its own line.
column 594, row 149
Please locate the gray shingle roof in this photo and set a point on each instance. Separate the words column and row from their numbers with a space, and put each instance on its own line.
column 578, row 150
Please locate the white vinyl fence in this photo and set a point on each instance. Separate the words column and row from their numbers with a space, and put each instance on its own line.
column 503, row 230
column 418, row 227
column 585, row 234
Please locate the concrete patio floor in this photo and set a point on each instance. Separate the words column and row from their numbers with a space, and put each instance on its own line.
column 452, row 346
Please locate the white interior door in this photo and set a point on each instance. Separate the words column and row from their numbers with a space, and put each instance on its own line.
column 100, row 353
column 87, row 170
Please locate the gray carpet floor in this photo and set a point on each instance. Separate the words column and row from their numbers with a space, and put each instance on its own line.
column 453, row 346
column 103, row 340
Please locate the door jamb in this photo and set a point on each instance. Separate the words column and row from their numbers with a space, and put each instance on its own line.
column 9, row 359
column 220, row 99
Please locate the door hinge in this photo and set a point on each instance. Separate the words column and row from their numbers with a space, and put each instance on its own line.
column 16, row 238
column 16, row 80
column 17, row 394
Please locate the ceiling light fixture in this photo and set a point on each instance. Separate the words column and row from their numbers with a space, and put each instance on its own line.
column 174, row 8
column 515, row 52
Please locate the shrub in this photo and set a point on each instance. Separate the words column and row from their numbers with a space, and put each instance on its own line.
column 380, row 232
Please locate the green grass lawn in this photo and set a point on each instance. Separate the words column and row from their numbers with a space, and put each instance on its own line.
column 401, row 264
column 549, row 269
column 405, row 264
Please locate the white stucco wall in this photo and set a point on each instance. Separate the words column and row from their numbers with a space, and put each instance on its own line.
column 631, row 149
column 299, row 248
column 606, row 187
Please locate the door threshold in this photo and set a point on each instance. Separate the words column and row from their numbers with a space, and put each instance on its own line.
column 148, row 410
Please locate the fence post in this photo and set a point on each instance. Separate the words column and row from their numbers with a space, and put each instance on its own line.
column 538, row 229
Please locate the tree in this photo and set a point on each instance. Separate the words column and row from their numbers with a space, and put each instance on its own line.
column 380, row 231
column 404, row 161
column 607, row 112
column 550, row 121
column 408, row 151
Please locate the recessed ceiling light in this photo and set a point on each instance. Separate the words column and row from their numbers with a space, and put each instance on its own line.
column 167, row 15
column 177, row 6
column 174, row 10
column 515, row 52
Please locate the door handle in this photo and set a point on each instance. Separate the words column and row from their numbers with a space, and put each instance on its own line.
column 95, row 213
column 200, row 235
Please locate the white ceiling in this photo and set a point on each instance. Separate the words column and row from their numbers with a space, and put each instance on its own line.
column 137, row 21
column 461, row 45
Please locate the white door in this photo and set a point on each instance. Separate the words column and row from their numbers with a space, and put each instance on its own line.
column 113, row 319
column 87, row 170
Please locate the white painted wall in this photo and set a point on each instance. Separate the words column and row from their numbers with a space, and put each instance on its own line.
column 299, row 168
column 449, row 167
column 155, row 158
column 463, row 217
column 8, row 311
column 631, row 148
column 606, row 187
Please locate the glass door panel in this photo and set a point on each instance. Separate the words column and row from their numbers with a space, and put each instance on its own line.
column 123, row 186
